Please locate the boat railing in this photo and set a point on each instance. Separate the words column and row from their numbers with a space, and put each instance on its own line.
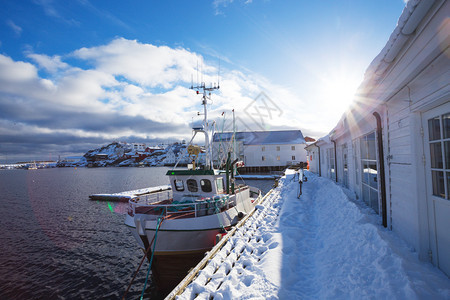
column 152, row 198
column 183, row 209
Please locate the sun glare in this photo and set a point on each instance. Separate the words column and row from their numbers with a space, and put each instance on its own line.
column 339, row 93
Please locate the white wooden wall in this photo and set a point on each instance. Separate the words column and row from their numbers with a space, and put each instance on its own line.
column 253, row 154
column 417, row 81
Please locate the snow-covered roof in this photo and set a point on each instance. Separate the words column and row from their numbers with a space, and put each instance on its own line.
column 408, row 21
column 413, row 13
column 263, row 137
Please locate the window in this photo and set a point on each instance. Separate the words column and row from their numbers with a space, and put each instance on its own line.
column 179, row 185
column 278, row 148
column 263, row 148
column 219, row 183
column 369, row 171
column 331, row 164
column 293, row 157
column 439, row 140
column 263, row 158
column 356, row 161
column 345, row 164
column 192, row 185
column 292, row 148
column 278, row 157
column 205, row 185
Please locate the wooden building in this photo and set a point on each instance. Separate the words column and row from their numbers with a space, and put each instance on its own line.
column 392, row 146
column 261, row 151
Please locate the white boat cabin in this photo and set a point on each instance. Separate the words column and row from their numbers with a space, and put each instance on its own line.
column 191, row 185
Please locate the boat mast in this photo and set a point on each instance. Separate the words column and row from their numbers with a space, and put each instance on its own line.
column 207, row 128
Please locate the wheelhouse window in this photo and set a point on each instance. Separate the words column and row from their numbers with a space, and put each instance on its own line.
column 179, row 185
column 192, row 185
column 205, row 184
column 219, row 184
column 369, row 171
column 439, row 140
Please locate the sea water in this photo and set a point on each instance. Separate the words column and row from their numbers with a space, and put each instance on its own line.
column 55, row 243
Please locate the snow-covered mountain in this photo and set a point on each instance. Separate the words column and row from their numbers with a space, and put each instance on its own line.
column 121, row 154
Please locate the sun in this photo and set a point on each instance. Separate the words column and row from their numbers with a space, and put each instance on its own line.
column 339, row 92
column 342, row 90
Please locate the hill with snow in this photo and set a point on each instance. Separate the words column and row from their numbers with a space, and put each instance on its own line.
column 121, row 154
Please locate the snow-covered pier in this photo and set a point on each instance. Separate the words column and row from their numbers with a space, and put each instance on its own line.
column 325, row 245
column 125, row 196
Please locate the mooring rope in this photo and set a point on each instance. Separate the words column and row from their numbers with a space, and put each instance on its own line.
column 140, row 264
column 151, row 258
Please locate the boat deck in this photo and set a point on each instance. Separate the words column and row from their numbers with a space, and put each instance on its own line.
column 172, row 211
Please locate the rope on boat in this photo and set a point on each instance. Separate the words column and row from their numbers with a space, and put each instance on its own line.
column 151, row 258
column 142, row 261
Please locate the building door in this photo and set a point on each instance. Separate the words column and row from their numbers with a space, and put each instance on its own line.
column 436, row 126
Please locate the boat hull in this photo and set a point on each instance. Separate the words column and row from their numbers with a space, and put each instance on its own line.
column 180, row 244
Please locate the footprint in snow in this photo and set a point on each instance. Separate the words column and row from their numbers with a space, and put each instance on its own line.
column 247, row 280
column 273, row 245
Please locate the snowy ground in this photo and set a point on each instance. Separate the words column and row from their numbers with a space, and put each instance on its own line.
column 321, row 246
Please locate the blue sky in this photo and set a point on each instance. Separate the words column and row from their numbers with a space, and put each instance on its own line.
column 75, row 75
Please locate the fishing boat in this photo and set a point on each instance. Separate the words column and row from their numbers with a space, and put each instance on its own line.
column 177, row 226
column 32, row 166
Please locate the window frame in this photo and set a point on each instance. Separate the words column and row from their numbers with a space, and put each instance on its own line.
column 204, row 186
column 439, row 145
column 369, row 159
column 177, row 187
column 193, row 188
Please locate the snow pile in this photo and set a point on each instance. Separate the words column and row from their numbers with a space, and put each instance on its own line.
column 320, row 246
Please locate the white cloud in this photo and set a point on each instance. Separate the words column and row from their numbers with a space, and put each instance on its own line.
column 131, row 89
column 11, row 71
column 218, row 4
column 51, row 64
column 144, row 64
column 50, row 10
column 17, row 29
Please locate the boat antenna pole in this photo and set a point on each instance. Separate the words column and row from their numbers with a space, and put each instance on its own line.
column 206, row 95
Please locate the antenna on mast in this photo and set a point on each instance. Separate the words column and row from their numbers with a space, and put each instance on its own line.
column 207, row 128
column 201, row 73
column 218, row 76
column 197, row 73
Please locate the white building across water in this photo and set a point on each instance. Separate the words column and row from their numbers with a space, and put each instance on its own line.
column 261, row 150
column 392, row 145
